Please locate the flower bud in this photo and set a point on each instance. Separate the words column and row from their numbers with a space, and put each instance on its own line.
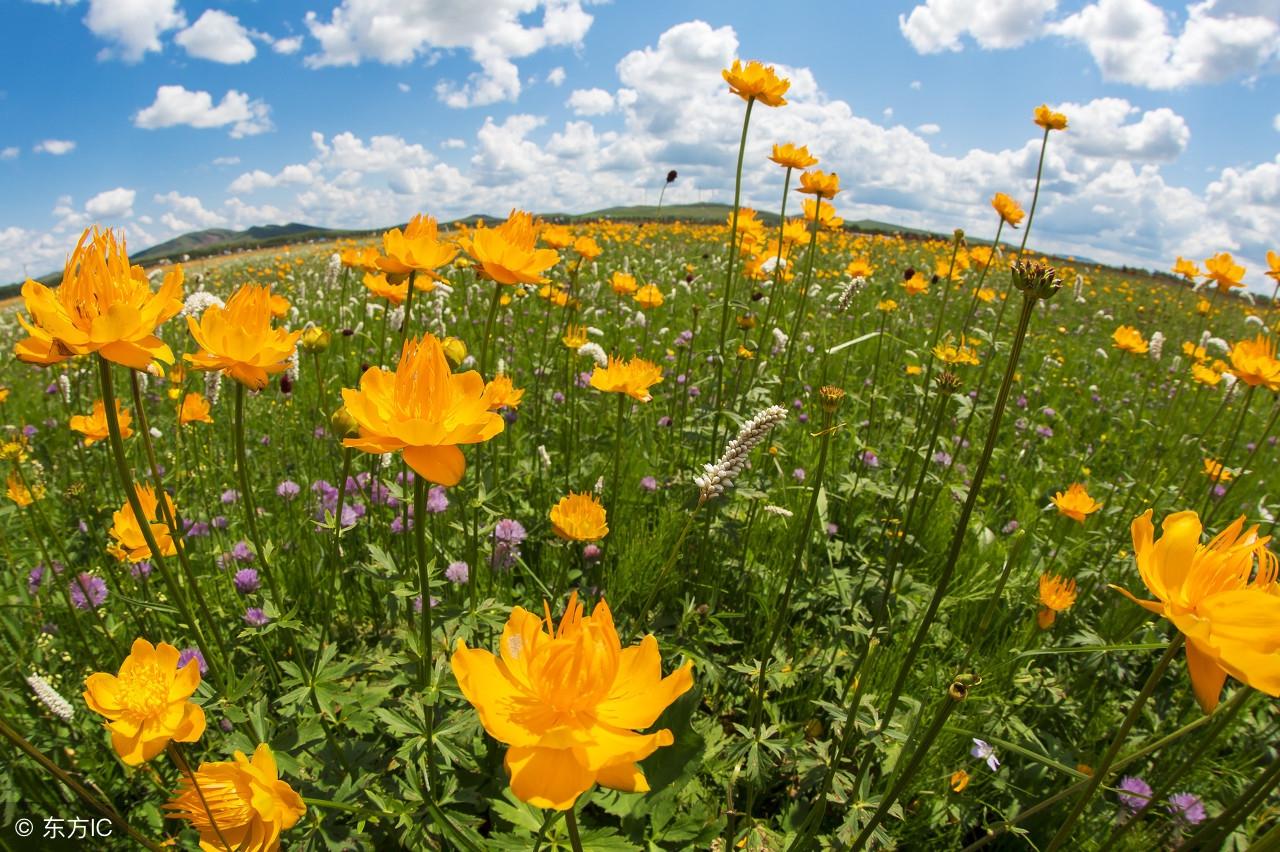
column 315, row 339
column 1039, row 280
column 455, row 350
column 343, row 424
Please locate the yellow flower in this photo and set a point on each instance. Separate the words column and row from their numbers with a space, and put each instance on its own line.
column 574, row 337
column 423, row 409
column 633, row 377
column 94, row 426
column 826, row 214
column 146, row 703
column 914, row 370
column 17, row 491
column 417, row 249
column 567, row 701
column 501, row 393
column 916, row 285
column 1223, row 271
column 364, row 258
column 887, row 305
column 950, row 353
column 278, row 305
column 1191, row 350
column 859, row 267
column 1216, row 472
column 1186, row 268
column 246, row 798
column 1273, row 269
column 315, row 339
column 745, row 354
column 128, row 542
column 755, row 81
column 557, row 236
column 959, row 780
column 380, row 285
column 103, row 305
column 1203, row 307
column 793, row 156
column 1008, row 209
column 1050, row 120
column 587, row 247
column 238, row 339
column 1129, row 339
column 4, row 394
column 1222, row 596
column 986, row 294
column 623, row 284
column 1076, row 503
column 579, row 517
column 1205, row 375
column 1254, row 362
column 648, row 296
column 509, row 254
column 819, row 183
column 455, row 350
column 195, row 409
column 1056, row 595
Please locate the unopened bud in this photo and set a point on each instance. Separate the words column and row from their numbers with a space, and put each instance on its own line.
column 830, row 396
column 344, row 425
column 455, row 350
column 315, row 339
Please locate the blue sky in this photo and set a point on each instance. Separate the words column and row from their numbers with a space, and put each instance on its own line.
column 162, row 116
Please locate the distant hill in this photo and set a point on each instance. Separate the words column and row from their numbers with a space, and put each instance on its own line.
column 220, row 240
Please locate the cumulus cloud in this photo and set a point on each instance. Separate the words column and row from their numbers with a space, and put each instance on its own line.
column 939, row 25
column 556, row 76
column 56, row 147
column 218, row 37
column 9, row 153
column 395, row 32
column 133, row 27
column 287, row 46
column 928, row 129
column 590, row 102
column 112, row 204
column 186, row 212
column 176, row 105
column 1101, row 128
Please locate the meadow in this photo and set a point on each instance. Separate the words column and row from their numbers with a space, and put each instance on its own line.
column 761, row 534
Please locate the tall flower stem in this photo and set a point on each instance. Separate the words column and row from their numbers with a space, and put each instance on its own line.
column 775, row 294
column 571, row 823
column 782, row 613
column 728, row 283
column 614, row 488
column 1212, row 833
column 131, row 496
column 172, row 520
column 1104, row 767
column 1035, row 194
column 408, row 308
column 956, row 693
column 982, row 276
column 426, row 670
column 1231, row 445
column 107, row 810
column 494, row 301
column 246, row 499
column 1257, row 445
column 798, row 316
column 962, row 523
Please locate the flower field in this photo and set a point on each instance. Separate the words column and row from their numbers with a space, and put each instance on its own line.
column 526, row 534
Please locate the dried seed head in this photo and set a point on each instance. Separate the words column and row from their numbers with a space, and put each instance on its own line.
column 1039, row 280
column 830, row 396
column 948, row 382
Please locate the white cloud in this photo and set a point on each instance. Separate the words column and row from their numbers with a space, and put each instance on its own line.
column 258, row 179
column 1099, row 129
column 916, row 85
column 133, row 27
column 556, row 76
column 175, row 105
column 112, row 204
column 395, row 32
column 454, row 144
column 226, row 161
column 287, row 46
column 590, row 102
column 939, row 25
column 56, row 147
column 928, row 129
column 186, row 213
column 10, row 153
column 1276, row 122
column 218, row 37
column 404, row 87
column 887, row 112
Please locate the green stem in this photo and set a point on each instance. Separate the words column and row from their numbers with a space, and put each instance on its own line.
column 804, row 298
column 571, row 823
column 246, row 498
column 494, row 302
column 426, row 670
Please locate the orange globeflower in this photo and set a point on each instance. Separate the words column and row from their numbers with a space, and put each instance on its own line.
column 633, row 377
column 916, row 285
column 128, row 542
column 575, row 336
column 238, row 339
column 1008, row 209
column 416, row 249
column 1223, row 271
column 509, row 254
column 557, row 236
column 17, row 490
column 501, row 393
column 1076, row 503
column 1215, row 471
column 579, row 517
column 364, row 258
column 587, row 247
column 1205, row 375
column 649, row 296
column 1129, row 339
column 1273, row 266
column 793, row 156
column 1254, row 362
column 1222, row 596
column 623, row 284
column 756, row 82
column 959, row 781
column 245, row 797
column 94, row 426
column 147, row 702
column 826, row 214
column 568, row 701
column 1186, row 268
column 859, row 267
column 1050, row 120
column 103, row 305
column 423, row 409
column 278, row 305
column 195, row 409
column 819, row 183
column 1056, row 595
column 380, row 285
